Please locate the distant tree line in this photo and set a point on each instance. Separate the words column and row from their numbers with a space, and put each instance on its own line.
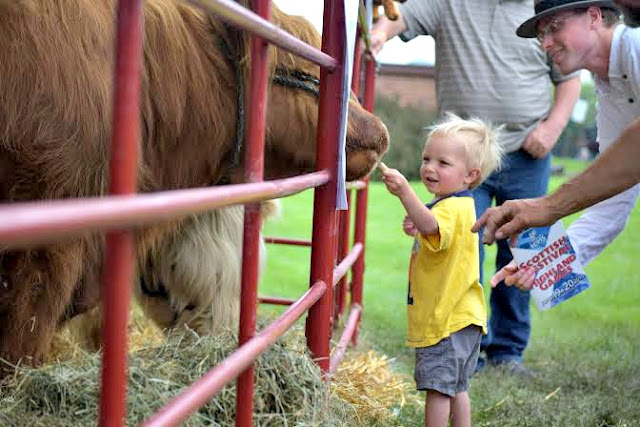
column 408, row 129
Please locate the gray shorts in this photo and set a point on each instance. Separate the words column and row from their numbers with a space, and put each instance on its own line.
column 447, row 366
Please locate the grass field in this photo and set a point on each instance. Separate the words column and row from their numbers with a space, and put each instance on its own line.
column 586, row 351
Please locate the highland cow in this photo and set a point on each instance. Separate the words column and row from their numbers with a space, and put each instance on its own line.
column 56, row 64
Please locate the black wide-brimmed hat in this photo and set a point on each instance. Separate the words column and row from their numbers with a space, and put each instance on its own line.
column 529, row 28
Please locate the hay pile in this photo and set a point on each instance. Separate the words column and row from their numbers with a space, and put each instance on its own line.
column 289, row 388
column 366, row 381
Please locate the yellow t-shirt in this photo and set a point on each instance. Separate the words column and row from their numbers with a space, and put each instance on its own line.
column 445, row 294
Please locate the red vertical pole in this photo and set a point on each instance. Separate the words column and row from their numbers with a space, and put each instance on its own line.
column 361, row 203
column 254, row 172
column 318, row 327
column 120, row 249
column 340, row 254
column 345, row 225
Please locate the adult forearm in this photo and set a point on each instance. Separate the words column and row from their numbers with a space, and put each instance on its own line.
column 616, row 170
column 567, row 94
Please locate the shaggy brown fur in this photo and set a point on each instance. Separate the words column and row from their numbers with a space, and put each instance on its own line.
column 56, row 61
column 192, row 281
column 196, row 278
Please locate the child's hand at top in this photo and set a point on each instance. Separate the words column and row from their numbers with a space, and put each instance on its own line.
column 396, row 183
column 419, row 218
column 409, row 227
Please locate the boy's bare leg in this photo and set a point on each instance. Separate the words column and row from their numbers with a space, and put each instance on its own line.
column 461, row 410
column 437, row 409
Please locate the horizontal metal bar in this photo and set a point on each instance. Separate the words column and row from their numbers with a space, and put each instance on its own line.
column 338, row 273
column 287, row 241
column 349, row 330
column 276, row 300
column 197, row 395
column 341, row 269
column 45, row 221
column 240, row 17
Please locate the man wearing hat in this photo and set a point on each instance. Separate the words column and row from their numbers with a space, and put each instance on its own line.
column 613, row 172
column 484, row 70
column 587, row 34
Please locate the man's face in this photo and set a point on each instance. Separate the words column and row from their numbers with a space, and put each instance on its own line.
column 631, row 11
column 566, row 37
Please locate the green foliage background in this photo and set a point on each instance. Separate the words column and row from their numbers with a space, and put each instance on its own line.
column 408, row 129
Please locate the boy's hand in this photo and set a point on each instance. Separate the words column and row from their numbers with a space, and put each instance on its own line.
column 409, row 227
column 396, row 182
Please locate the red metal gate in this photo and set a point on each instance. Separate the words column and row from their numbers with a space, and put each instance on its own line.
column 41, row 223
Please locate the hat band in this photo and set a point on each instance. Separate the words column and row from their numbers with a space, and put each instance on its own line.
column 548, row 4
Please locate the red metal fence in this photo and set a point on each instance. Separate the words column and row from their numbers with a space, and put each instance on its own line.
column 116, row 214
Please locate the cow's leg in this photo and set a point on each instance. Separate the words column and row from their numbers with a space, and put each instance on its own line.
column 37, row 287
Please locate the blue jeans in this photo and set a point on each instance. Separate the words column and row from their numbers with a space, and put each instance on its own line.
column 521, row 176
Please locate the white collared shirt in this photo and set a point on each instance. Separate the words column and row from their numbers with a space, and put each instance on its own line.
column 618, row 106
column 619, row 99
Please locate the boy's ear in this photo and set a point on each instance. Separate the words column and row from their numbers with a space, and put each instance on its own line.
column 472, row 175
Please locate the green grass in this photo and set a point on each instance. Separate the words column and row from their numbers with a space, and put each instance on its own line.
column 586, row 350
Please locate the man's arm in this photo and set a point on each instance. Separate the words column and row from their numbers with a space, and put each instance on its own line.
column 542, row 139
column 384, row 30
column 615, row 170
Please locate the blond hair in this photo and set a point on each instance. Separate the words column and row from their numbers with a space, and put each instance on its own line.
column 480, row 141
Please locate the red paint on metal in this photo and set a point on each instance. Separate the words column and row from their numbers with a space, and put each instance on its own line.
column 347, row 262
column 254, row 172
column 276, row 300
column 120, row 250
column 347, row 335
column 42, row 222
column 318, row 327
column 201, row 391
column 344, row 242
column 287, row 241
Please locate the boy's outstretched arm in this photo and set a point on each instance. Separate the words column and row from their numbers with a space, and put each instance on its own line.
column 423, row 219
